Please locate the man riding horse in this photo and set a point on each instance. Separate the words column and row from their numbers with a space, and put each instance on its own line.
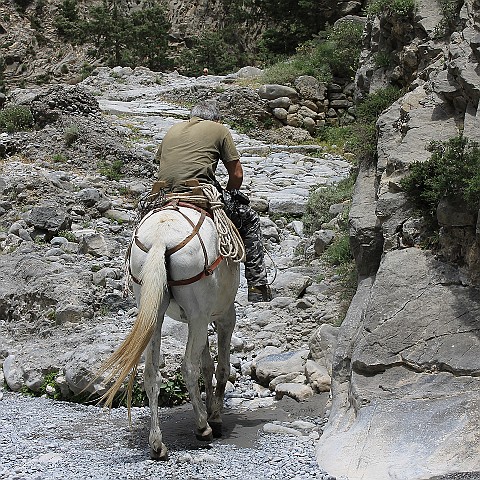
column 191, row 150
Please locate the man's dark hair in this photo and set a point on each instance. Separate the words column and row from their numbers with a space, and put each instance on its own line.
column 205, row 110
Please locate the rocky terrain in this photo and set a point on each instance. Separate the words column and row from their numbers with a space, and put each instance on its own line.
column 402, row 368
column 69, row 193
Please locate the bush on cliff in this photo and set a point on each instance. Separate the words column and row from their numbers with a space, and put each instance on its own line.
column 453, row 171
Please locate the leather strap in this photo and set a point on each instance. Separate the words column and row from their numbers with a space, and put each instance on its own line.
column 205, row 273
column 194, row 232
column 208, row 269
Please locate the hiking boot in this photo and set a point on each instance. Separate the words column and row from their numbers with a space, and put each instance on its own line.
column 259, row 293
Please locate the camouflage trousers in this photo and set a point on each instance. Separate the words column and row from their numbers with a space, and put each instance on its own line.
column 247, row 222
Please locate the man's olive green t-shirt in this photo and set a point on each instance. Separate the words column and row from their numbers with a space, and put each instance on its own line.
column 192, row 149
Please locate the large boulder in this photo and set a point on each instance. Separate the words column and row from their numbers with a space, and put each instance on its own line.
column 410, row 347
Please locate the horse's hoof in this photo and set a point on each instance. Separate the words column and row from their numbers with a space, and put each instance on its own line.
column 159, row 455
column 216, row 429
column 205, row 435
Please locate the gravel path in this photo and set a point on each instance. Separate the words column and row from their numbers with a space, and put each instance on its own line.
column 44, row 439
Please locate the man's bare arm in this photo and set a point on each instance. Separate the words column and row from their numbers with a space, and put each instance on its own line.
column 235, row 174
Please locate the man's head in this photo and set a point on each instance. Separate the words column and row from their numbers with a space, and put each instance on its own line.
column 205, row 110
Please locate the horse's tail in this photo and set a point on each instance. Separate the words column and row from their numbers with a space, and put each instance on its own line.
column 124, row 361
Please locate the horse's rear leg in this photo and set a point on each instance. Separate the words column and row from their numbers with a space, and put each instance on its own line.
column 208, row 369
column 197, row 340
column 225, row 328
column 153, row 379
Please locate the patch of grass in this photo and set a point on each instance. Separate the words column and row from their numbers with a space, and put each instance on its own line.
column 59, row 158
column 382, row 60
column 338, row 252
column 111, row 170
column 336, row 139
column 15, row 119
column 71, row 135
column 335, row 54
column 69, row 235
column 244, row 125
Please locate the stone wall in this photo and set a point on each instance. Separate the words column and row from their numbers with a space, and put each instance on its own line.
column 310, row 104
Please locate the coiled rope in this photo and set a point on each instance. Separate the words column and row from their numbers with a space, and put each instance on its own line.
column 230, row 242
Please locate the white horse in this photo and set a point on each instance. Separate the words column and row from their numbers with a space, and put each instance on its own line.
column 177, row 270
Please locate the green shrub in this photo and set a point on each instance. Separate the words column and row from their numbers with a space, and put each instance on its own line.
column 336, row 136
column 382, row 60
column 68, row 234
column 320, row 200
column 450, row 10
column 212, row 50
column 339, row 253
column 59, row 158
column 364, row 133
column 337, row 54
column 71, row 135
column 390, row 7
column 15, row 119
column 287, row 71
column 453, row 171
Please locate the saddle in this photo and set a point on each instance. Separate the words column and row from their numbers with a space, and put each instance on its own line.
column 189, row 191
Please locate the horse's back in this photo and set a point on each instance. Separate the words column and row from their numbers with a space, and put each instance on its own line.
column 212, row 294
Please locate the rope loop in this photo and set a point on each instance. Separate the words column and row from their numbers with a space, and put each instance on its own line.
column 229, row 239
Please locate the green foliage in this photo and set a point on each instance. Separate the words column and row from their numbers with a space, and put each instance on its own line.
column 390, row 7
column 211, row 50
column 348, row 282
column 15, row 119
column 320, row 200
column 68, row 22
column 86, row 70
column 243, row 125
column 337, row 54
column 453, row 171
column 121, row 35
column 68, row 234
column 294, row 22
column 450, row 10
column 364, row 133
column 22, row 4
column 339, row 253
column 148, row 38
column 59, row 158
column 335, row 137
column 173, row 391
column 71, row 135
column 50, row 381
column 112, row 170
column 382, row 59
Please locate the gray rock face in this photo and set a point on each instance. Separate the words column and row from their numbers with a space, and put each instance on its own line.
column 405, row 368
column 418, row 350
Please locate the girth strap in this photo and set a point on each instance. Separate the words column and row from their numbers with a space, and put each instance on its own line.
column 206, row 272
